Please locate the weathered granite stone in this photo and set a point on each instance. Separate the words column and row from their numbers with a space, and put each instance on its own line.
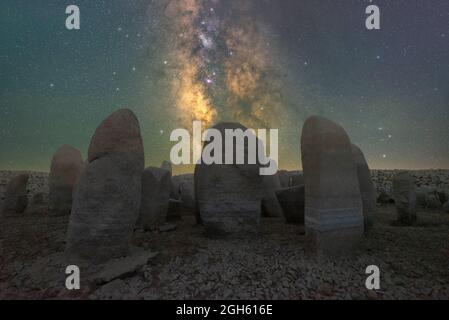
column 167, row 166
column 292, row 203
column 184, row 186
column 421, row 194
column 38, row 204
column 446, row 207
column 107, row 197
column 384, row 198
column 433, row 201
column 16, row 199
column 229, row 195
column 284, row 178
column 296, row 179
column 270, row 204
column 367, row 189
column 66, row 167
column 155, row 194
column 333, row 205
column 174, row 210
column 404, row 193
column 174, row 192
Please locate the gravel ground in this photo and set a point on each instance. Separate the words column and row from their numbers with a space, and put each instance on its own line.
column 413, row 261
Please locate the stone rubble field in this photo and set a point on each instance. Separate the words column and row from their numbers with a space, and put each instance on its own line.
column 413, row 260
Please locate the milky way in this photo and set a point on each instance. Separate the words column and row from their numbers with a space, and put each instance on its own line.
column 220, row 63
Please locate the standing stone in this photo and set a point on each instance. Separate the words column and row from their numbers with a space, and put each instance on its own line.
column 66, row 167
column 174, row 192
column 155, row 195
column 446, row 207
column 421, row 194
column 366, row 185
column 38, row 204
column 107, row 197
column 174, row 210
column 284, row 178
column 404, row 193
column 167, row 166
column 39, row 199
column 333, row 205
column 443, row 194
column 296, row 179
column 187, row 191
column 228, row 196
column 384, row 198
column 184, row 187
column 292, row 203
column 432, row 201
column 16, row 199
column 270, row 204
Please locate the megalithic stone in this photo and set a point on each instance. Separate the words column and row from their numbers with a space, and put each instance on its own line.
column 333, row 205
column 107, row 197
column 229, row 196
column 167, row 166
column 155, row 195
column 66, row 167
column 16, row 199
column 284, row 178
column 292, row 202
column 404, row 194
column 174, row 193
column 184, row 186
column 296, row 179
column 366, row 185
column 270, row 203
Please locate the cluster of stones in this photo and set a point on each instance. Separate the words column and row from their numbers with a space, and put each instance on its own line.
column 111, row 194
column 432, row 187
column 334, row 197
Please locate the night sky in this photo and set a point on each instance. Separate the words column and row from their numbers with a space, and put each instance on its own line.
column 264, row 63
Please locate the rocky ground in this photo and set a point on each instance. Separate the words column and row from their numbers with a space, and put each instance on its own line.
column 413, row 261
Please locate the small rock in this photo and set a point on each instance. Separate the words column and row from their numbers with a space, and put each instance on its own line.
column 168, row 227
column 371, row 295
column 112, row 290
column 122, row 267
column 432, row 201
